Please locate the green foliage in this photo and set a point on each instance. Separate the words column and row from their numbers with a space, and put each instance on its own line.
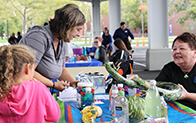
column 181, row 6
column 131, row 15
column 104, row 8
column 2, row 28
column 28, row 12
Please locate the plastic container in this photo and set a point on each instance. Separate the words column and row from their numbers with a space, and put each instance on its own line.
column 85, row 94
column 152, row 101
column 112, row 89
column 121, row 109
column 113, row 98
column 163, row 108
column 77, row 51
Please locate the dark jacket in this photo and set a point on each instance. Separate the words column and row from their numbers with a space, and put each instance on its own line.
column 107, row 40
column 12, row 40
column 102, row 54
column 119, row 33
column 119, row 54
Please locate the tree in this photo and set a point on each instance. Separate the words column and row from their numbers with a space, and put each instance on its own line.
column 86, row 8
column 176, row 6
column 189, row 13
column 2, row 27
column 131, row 15
column 29, row 12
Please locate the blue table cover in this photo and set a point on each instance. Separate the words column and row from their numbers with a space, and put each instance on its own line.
column 175, row 114
column 93, row 62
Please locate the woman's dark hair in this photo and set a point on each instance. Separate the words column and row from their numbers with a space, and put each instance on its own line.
column 65, row 19
column 120, row 44
column 106, row 30
column 187, row 38
column 127, row 43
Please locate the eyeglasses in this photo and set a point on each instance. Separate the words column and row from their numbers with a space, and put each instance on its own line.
column 95, row 41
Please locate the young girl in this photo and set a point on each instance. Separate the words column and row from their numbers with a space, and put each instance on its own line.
column 100, row 53
column 22, row 99
column 121, row 51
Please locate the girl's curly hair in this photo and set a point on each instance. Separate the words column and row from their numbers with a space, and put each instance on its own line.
column 13, row 57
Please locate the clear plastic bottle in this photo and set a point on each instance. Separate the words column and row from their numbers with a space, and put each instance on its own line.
column 84, row 51
column 121, row 109
column 152, row 105
column 114, row 87
column 113, row 97
column 163, row 108
column 89, row 58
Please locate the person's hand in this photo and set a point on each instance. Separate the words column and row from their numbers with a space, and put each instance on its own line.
column 74, row 84
column 132, row 76
column 184, row 92
column 60, row 85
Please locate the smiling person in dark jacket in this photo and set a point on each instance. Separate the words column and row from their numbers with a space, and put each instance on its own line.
column 100, row 53
column 121, row 51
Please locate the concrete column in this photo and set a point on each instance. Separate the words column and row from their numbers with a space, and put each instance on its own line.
column 96, row 18
column 114, row 15
column 158, row 52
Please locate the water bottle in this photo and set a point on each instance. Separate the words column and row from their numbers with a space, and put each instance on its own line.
column 152, row 105
column 84, row 51
column 114, row 87
column 89, row 58
column 113, row 97
column 121, row 109
column 163, row 108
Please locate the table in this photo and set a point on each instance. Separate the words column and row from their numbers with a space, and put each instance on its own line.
column 177, row 113
column 93, row 62
column 86, row 67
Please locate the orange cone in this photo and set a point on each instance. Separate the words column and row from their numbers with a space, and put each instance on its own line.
column 143, row 44
column 137, row 44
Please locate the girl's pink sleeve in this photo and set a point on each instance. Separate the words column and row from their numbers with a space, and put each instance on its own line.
column 53, row 112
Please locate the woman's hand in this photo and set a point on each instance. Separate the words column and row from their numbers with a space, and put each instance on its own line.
column 74, row 84
column 184, row 93
column 60, row 85
column 132, row 76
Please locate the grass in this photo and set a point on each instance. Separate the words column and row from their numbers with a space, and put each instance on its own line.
column 3, row 40
column 140, row 41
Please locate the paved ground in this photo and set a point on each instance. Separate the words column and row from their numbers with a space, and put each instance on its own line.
column 139, row 65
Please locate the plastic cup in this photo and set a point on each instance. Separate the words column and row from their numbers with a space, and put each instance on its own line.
column 130, row 75
column 131, row 91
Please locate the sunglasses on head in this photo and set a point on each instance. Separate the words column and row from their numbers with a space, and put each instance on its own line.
column 95, row 41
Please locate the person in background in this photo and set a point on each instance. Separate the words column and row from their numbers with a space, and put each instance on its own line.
column 49, row 42
column 123, row 32
column 18, row 37
column 23, row 99
column 182, row 70
column 128, row 46
column 121, row 51
column 46, row 23
column 127, row 43
column 100, row 53
column 12, row 40
column 107, row 42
